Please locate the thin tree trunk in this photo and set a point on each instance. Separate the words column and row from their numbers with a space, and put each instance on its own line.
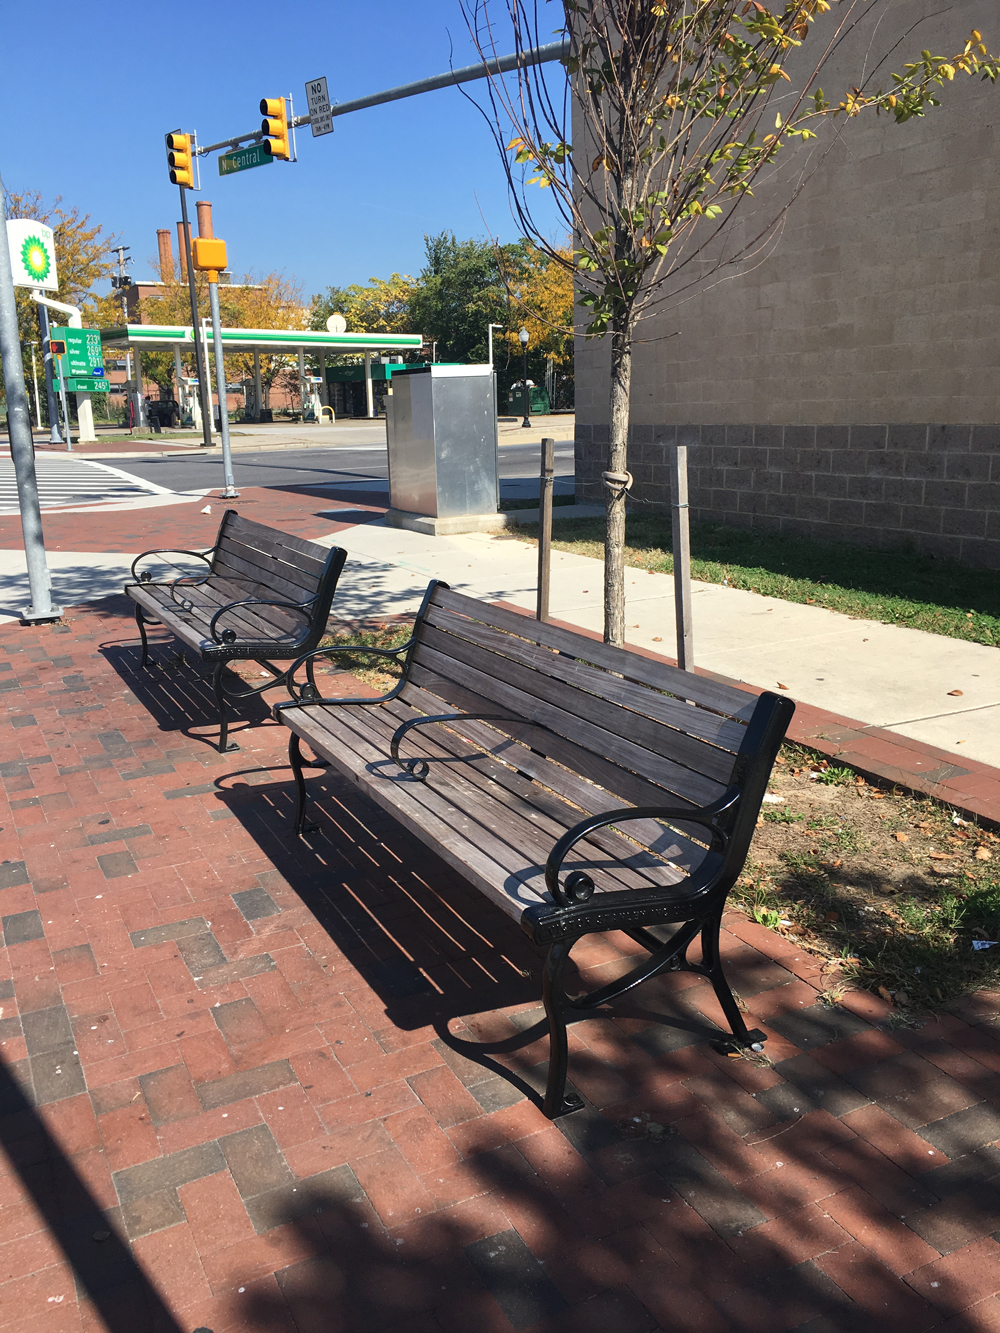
column 614, row 542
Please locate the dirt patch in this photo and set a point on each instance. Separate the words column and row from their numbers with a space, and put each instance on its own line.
column 893, row 890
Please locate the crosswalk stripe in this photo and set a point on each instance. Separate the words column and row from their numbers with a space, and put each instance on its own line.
column 70, row 481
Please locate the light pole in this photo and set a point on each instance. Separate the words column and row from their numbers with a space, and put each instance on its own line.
column 34, row 376
column 489, row 334
column 523, row 339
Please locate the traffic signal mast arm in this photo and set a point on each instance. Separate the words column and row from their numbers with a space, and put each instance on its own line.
column 539, row 55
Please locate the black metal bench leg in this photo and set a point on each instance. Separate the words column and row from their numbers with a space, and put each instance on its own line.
column 141, row 622
column 557, row 1101
column 225, row 745
column 298, row 763
column 712, row 962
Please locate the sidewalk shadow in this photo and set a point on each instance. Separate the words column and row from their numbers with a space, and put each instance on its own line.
column 178, row 694
column 90, row 1237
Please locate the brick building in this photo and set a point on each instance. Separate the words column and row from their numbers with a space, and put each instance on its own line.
column 847, row 385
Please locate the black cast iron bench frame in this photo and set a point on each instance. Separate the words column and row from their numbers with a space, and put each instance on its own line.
column 264, row 595
column 551, row 723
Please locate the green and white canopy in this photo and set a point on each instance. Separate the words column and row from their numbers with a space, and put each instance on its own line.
column 160, row 336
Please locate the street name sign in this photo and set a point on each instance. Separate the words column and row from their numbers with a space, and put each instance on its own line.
column 242, row 159
column 320, row 115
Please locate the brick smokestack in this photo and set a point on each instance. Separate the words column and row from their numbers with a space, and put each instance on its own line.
column 166, row 254
column 205, row 219
column 182, row 250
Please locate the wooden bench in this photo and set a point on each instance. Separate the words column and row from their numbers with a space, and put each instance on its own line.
column 580, row 787
column 264, row 595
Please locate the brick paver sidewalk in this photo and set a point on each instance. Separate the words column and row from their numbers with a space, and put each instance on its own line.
column 249, row 1082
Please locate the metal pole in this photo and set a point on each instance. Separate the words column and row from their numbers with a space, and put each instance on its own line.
column 682, row 556
column 22, row 446
column 258, row 388
column 181, row 392
column 302, row 383
column 230, row 492
column 201, row 368
column 524, row 385
column 34, row 376
column 50, row 392
column 368, row 384
column 65, row 408
column 545, row 482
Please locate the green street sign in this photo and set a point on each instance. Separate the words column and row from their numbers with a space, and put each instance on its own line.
column 83, row 354
column 242, row 159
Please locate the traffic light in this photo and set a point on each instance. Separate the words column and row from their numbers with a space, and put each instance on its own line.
column 57, row 346
column 275, row 126
column 208, row 254
column 180, row 160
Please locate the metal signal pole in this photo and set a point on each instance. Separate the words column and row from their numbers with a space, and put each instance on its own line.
column 22, row 446
column 201, row 370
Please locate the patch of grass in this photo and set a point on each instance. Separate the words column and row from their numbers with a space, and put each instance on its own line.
column 378, row 672
column 890, row 889
column 895, row 587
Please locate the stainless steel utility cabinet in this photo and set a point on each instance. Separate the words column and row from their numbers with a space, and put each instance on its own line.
column 441, row 427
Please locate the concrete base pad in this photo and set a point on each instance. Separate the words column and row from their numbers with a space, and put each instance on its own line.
column 444, row 527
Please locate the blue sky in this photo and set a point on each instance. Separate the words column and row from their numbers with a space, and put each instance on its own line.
column 118, row 76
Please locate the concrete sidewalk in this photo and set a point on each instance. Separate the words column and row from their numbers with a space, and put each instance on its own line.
column 882, row 683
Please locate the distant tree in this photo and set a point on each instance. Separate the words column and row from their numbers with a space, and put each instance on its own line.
column 381, row 306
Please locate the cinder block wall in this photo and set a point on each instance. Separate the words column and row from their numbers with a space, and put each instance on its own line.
column 935, row 488
column 847, row 385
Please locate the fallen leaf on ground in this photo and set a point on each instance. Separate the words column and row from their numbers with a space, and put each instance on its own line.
column 885, row 994
column 657, row 639
column 782, row 687
column 939, row 856
column 983, row 854
column 953, row 693
column 838, row 863
column 901, row 837
column 832, row 916
column 877, row 795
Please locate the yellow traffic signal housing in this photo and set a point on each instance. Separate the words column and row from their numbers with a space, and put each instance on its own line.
column 208, row 254
column 57, row 347
column 180, row 160
column 275, row 126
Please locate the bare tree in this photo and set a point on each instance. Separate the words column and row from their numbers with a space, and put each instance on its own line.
column 666, row 119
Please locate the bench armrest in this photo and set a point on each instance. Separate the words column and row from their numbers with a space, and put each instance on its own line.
column 230, row 635
column 578, row 887
column 419, row 768
column 307, row 694
column 168, row 550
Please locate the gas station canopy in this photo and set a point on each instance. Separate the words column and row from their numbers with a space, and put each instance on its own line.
column 161, row 336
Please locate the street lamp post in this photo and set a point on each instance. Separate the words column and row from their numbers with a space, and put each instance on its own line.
column 523, row 339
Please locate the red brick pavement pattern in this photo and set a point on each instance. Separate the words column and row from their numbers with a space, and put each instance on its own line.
column 242, row 1087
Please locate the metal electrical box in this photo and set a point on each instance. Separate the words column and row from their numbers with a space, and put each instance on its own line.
column 441, row 427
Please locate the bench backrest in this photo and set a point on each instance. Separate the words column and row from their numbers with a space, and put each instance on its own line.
column 645, row 731
column 287, row 568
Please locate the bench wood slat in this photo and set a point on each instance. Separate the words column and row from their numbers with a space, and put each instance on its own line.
column 719, row 731
column 543, row 812
column 658, row 675
column 256, row 536
column 587, row 797
column 706, row 760
column 550, row 747
column 207, row 598
column 275, row 575
column 629, row 754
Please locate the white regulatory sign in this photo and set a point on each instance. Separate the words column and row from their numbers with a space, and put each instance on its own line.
column 320, row 117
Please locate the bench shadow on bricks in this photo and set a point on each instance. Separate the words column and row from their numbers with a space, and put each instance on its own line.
column 434, row 950
column 177, row 694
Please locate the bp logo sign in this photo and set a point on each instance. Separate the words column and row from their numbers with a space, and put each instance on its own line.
column 32, row 254
column 35, row 258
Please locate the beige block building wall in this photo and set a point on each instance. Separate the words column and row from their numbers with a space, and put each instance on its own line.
column 846, row 385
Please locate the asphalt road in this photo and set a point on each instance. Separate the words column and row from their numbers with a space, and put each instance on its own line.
column 347, row 468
